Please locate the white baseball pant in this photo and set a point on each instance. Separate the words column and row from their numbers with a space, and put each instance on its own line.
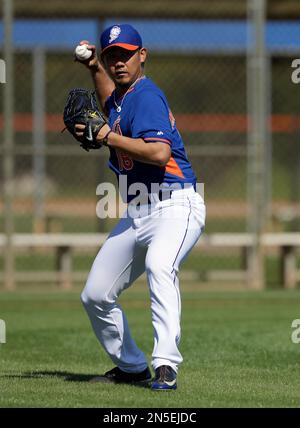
column 155, row 242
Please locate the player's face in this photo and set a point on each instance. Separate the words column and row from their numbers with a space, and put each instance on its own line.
column 124, row 66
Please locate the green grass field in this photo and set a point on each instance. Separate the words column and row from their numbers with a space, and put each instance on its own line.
column 236, row 346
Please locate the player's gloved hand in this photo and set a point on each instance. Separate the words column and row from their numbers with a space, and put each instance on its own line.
column 100, row 137
column 81, row 109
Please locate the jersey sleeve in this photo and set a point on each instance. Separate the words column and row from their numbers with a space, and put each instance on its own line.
column 151, row 118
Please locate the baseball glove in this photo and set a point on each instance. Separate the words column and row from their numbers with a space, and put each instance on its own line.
column 81, row 107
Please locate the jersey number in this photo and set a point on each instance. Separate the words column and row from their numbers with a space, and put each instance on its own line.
column 125, row 162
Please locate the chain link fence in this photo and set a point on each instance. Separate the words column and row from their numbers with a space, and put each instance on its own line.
column 201, row 65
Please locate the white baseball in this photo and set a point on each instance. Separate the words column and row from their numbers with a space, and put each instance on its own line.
column 82, row 52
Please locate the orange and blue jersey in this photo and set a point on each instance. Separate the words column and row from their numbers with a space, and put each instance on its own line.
column 145, row 114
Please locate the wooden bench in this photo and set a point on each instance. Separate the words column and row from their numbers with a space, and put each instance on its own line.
column 63, row 244
column 287, row 243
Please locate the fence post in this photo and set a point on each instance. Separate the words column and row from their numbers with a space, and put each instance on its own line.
column 64, row 266
column 8, row 147
column 257, row 138
column 39, row 138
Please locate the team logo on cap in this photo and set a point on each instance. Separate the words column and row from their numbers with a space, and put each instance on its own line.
column 114, row 33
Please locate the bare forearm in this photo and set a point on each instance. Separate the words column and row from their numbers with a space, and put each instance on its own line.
column 102, row 82
column 152, row 153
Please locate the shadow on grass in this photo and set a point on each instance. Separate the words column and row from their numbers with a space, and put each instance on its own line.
column 66, row 376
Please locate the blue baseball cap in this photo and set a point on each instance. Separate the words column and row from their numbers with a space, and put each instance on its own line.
column 123, row 35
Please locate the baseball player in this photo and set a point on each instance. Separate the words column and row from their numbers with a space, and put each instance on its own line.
column 146, row 148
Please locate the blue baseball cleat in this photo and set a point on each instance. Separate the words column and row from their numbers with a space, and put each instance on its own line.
column 165, row 379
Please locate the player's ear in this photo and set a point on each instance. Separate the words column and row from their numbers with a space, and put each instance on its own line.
column 143, row 56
